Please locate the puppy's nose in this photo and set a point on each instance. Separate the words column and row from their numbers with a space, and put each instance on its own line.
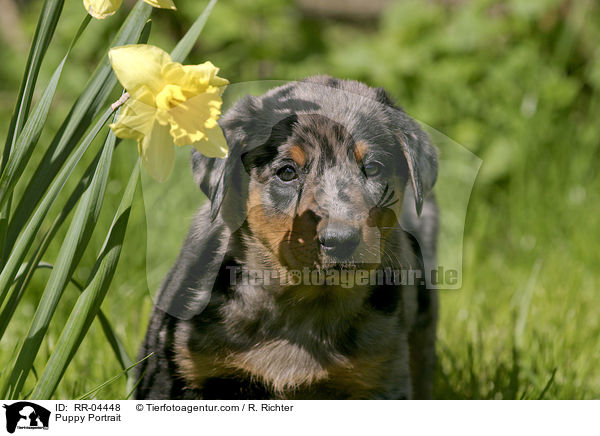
column 339, row 241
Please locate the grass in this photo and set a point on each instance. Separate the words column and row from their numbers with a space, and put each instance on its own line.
column 525, row 324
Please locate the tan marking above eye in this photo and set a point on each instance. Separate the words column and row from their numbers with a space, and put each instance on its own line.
column 360, row 149
column 298, row 155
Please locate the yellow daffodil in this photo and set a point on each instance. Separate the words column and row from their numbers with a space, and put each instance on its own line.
column 169, row 104
column 104, row 8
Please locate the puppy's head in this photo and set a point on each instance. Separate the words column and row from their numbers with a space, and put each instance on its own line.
column 318, row 170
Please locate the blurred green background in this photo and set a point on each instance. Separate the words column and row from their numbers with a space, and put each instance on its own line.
column 517, row 83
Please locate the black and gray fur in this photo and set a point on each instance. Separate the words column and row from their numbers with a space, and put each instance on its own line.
column 212, row 339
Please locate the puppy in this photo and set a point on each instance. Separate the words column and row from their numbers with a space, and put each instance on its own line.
column 286, row 285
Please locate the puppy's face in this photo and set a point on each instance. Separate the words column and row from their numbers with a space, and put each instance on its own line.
column 326, row 164
column 323, row 197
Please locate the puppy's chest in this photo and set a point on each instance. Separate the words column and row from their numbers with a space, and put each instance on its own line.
column 287, row 369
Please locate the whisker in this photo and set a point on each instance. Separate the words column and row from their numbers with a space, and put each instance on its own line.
column 383, row 194
column 386, row 196
column 390, row 204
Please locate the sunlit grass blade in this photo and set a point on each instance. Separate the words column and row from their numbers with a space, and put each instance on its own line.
column 131, row 388
column 90, row 103
column 28, row 138
column 90, row 300
column 548, row 385
column 88, row 395
column 71, row 250
column 185, row 45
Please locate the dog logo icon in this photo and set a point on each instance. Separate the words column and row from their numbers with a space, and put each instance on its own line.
column 26, row 415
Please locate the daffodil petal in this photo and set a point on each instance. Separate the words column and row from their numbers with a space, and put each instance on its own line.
column 135, row 120
column 173, row 72
column 139, row 64
column 164, row 4
column 207, row 73
column 157, row 152
column 194, row 78
column 100, row 9
column 215, row 144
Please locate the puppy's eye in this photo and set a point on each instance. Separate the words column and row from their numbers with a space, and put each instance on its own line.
column 287, row 173
column 373, row 169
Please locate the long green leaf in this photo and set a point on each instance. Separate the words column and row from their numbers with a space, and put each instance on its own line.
column 43, row 35
column 91, row 102
column 24, row 242
column 185, row 45
column 71, row 250
column 32, row 130
column 179, row 53
column 19, row 289
column 19, row 285
column 90, row 300
column 32, row 191
column 112, row 338
column 22, row 280
column 116, row 345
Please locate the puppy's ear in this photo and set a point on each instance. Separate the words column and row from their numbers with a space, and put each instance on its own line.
column 221, row 179
column 420, row 155
column 421, row 158
column 213, row 176
column 206, row 171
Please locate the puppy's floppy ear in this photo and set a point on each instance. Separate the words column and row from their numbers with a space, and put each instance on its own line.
column 420, row 155
column 206, row 171
column 221, row 179
column 421, row 158
column 213, row 176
